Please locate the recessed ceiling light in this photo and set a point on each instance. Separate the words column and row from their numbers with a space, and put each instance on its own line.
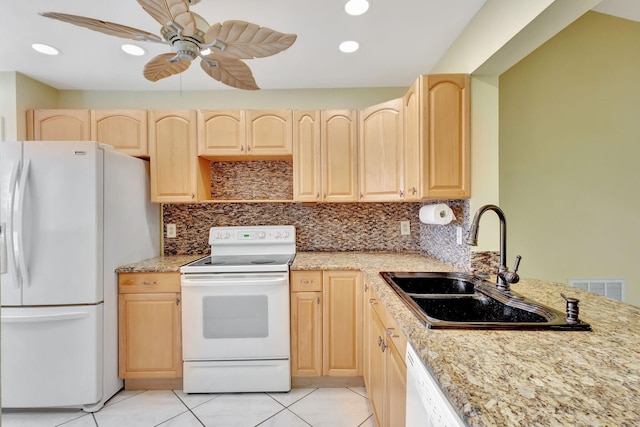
column 349, row 46
column 356, row 7
column 132, row 49
column 45, row 48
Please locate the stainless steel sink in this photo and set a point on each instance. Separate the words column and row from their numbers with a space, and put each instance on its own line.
column 464, row 301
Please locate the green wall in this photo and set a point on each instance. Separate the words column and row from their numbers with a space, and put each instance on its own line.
column 8, row 105
column 569, row 132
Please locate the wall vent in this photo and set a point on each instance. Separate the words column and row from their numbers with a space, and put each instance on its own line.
column 610, row 288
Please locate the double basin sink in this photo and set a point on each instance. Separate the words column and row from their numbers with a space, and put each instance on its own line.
column 464, row 301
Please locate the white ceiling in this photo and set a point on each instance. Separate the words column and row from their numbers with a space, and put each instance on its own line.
column 399, row 39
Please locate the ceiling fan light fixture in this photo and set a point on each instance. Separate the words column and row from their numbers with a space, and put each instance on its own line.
column 349, row 46
column 45, row 49
column 133, row 49
column 356, row 7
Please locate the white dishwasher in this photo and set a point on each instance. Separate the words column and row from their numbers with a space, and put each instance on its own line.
column 427, row 406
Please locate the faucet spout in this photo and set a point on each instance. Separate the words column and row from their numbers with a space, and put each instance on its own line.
column 472, row 240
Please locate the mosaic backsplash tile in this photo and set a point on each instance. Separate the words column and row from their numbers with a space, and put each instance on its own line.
column 439, row 241
column 254, row 180
column 323, row 227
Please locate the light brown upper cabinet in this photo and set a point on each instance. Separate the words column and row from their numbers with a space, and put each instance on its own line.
column 325, row 156
column 58, row 125
column 381, row 152
column 175, row 171
column 125, row 130
column 339, row 153
column 442, row 134
column 245, row 134
column 307, row 168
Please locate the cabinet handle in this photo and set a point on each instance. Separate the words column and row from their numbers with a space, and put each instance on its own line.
column 317, row 195
column 325, row 195
column 306, row 282
column 318, row 300
column 177, row 301
column 361, row 196
column 193, row 196
column 366, row 287
column 413, row 190
column 390, row 333
column 373, row 301
column 379, row 341
column 148, row 283
column 248, row 148
column 242, row 148
column 383, row 346
column 401, row 194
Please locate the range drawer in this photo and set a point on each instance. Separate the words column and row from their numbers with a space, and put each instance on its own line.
column 135, row 283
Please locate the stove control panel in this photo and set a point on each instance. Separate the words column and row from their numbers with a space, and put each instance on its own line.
column 252, row 235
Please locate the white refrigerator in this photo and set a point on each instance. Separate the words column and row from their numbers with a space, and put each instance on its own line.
column 70, row 213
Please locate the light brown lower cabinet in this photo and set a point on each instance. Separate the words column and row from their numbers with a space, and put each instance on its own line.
column 326, row 323
column 149, row 326
column 386, row 370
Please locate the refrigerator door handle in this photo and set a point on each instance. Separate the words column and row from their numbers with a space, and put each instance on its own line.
column 45, row 317
column 7, row 244
column 3, row 248
column 18, row 218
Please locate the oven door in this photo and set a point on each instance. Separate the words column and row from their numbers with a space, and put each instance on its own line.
column 235, row 316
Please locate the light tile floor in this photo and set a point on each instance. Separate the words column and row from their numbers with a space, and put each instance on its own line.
column 301, row 407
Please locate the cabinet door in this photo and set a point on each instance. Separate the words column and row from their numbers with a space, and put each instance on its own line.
column 125, row 130
column 306, row 156
column 172, row 152
column 58, row 125
column 342, row 323
column 306, row 334
column 221, row 133
column 412, row 141
column 381, row 152
column 366, row 341
column 446, row 158
column 149, row 336
column 377, row 364
column 339, row 142
column 395, row 387
column 269, row 133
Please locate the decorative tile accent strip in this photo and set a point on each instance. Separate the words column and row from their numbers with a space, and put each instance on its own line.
column 252, row 180
column 439, row 241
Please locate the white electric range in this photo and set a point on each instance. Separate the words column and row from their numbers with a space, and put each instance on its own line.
column 235, row 312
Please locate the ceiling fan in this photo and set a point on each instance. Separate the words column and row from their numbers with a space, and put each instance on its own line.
column 221, row 47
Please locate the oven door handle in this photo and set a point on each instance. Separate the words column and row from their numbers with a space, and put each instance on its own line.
column 202, row 280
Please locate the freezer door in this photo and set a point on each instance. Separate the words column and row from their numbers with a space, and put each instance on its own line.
column 51, row 356
column 10, row 166
column 62, row 224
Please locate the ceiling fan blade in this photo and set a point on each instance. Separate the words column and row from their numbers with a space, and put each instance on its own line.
column 105, row 27
column 161, row 67
column 164, row 11
column 245, row 40
column 232, row 72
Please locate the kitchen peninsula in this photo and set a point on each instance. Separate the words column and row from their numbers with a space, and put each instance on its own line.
column 511, row 378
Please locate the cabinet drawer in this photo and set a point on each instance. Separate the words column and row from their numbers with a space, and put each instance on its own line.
column 306, row 281
column 129, row 283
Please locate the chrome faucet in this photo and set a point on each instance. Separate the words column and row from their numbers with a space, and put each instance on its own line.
column 505, row 277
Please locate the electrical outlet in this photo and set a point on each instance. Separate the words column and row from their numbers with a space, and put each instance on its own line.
column 405, row 228
column 459, row 235
column 171, row 231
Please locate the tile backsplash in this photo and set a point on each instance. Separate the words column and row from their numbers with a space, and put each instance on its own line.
column 322, row 227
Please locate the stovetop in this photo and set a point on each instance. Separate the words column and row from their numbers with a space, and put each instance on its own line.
column 247, row 249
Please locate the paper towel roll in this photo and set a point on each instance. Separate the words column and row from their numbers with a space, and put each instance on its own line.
column 440, row 214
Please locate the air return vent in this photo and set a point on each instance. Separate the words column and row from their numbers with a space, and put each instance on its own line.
column 610, row 288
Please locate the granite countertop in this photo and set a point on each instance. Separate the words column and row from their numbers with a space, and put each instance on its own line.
column 161, row 264
column 508, row 378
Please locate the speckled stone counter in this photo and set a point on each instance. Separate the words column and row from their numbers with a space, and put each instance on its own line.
column 519, row 378
column 161, row 264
